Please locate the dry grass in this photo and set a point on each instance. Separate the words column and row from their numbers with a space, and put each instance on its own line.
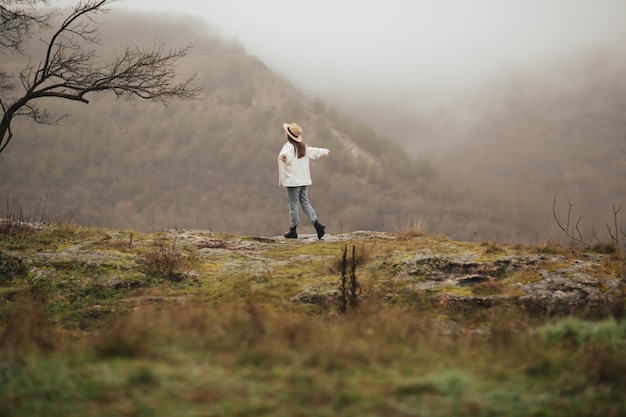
column 27, row 328
column 418, row 227
column 492, row 247
column 489, row 287
column 252, row 359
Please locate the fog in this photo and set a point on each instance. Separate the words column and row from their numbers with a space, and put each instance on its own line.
column 512, row 101
column 415, row 50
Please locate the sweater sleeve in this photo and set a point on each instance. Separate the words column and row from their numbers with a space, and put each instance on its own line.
column 287, row 149
column 316, row 153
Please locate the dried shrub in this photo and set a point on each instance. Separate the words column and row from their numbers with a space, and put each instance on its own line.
column 166, row 259
column 492, row 247
column 604, row 247
column 418, row 228
column 549, row 247
column 16, row 219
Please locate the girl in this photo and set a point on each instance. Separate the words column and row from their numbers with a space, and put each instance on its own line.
column 295, row 175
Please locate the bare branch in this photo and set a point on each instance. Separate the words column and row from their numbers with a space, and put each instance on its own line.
column 595, row 235
column 41, row 116
column 578, row 239
column 18, row 19
column 615, row 230
column 580, row 235
column 556, row 218
column 70, row 70
column 80, row 29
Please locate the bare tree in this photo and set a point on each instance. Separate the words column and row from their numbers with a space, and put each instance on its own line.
column 70, row 68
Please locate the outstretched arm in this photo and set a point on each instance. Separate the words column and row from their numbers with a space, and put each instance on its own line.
column 315, row 153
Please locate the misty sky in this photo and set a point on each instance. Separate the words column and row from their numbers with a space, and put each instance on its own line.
column 374, row 46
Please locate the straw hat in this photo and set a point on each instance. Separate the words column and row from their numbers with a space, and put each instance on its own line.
column 293, row 130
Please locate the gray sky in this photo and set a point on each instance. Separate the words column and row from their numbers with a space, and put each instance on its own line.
column 372, row 46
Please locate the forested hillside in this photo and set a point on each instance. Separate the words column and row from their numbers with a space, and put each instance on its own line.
column 210, row 163
column 508, row 147
column 562, row 133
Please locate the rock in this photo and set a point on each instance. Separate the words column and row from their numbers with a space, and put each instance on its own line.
column 574, row 289
column 567, row 291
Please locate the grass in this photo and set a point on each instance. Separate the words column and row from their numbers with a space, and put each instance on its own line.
column 418, row 227
column 242, row 359
column 106, row 337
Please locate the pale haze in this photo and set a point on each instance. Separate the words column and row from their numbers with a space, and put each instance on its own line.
column 369, row 48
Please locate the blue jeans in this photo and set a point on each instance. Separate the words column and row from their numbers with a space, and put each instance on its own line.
column 299, row 195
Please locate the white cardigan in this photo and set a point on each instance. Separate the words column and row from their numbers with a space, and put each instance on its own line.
column 294, row 171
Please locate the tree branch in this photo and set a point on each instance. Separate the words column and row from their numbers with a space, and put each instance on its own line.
column 578, row 239
column 17, row 21
column 70, row 71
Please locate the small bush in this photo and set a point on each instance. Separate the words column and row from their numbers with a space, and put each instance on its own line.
column 166, row 259
column 10, row 227
column 604, row 247
column 15, row 219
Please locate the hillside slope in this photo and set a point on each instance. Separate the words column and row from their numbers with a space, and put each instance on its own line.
column 563, row 133
column 210, row 163
column 509, row 146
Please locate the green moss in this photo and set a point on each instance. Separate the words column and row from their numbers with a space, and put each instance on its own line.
column 523, row 277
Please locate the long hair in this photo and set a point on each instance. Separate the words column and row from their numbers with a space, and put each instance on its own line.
column 300, row 147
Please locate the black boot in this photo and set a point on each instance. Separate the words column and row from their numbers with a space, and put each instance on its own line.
column 320, row 228
column 291, row 234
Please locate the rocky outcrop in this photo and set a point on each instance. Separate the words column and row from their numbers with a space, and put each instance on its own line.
column 449, row 273
column 575, row 287
column 574, row 290
column 547, row 285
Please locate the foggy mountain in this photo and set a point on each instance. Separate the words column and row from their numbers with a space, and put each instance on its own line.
column 482, row 166
column 510, row 146
column 209, row 163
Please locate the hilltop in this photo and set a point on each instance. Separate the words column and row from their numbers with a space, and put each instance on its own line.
column 91, row 275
